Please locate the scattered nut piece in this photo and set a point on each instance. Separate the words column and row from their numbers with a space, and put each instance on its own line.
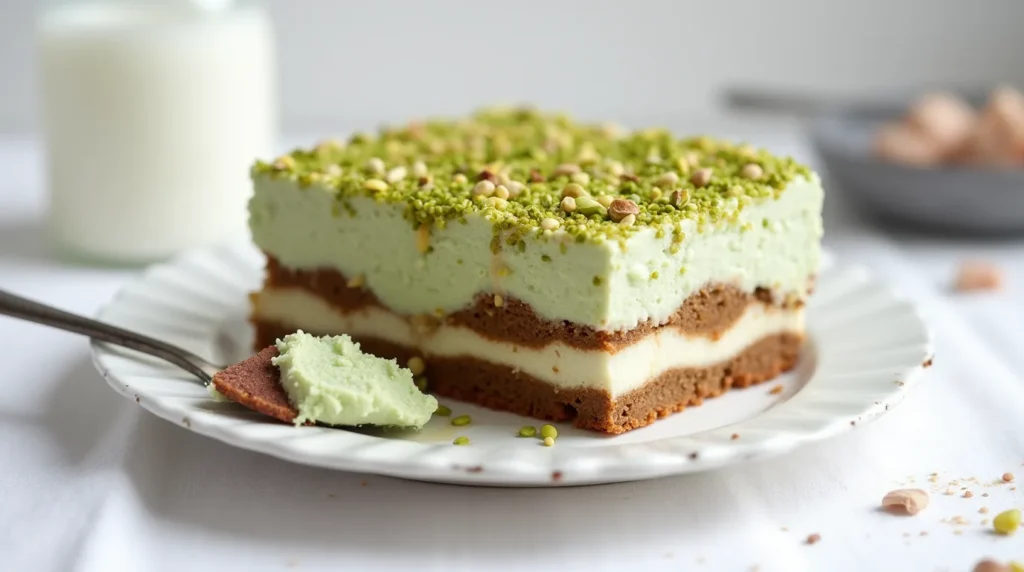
column 333, row 170
column 549, row 442
column 568, row 204
column 983, row 510
column 589, row 206
column 968, row 494
column 988, row 565
column 701, row 177
column 775, row 390
column 605, row 200
column 905, row 501
column 621, row 208
column 514, row 188
column 978, row 276
column 813, row 538
column 498, row 203
column 501, row 191
column 678, row 198
column 628, row 220
column 416, row 365
column 498, row 301
column 1008, row 477
column 460, row 179
column 356, row 281
column 752, row 171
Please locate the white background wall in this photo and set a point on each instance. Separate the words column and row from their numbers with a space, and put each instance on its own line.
column 362, row 61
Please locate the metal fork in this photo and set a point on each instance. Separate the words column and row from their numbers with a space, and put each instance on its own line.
column 25, row 309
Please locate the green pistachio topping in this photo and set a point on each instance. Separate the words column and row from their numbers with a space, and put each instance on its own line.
column 461, row 441
column 461, row 420
column 442, row 411
column 514, row 166
column 527, row 431
column 548, row 431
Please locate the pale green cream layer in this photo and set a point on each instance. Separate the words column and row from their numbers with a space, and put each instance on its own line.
column 611, row 286
column 329, row 380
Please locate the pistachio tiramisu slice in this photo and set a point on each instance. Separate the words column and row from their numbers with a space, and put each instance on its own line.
column 540, row 266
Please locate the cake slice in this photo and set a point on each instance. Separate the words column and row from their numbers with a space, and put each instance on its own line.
column 535, row 265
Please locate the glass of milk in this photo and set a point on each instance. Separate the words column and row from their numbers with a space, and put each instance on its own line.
column 153, row 113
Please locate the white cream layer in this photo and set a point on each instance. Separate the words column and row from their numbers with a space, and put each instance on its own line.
column 556, row 363
column 773, row 243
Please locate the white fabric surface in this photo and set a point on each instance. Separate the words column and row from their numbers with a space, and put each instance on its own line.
column 90, row 482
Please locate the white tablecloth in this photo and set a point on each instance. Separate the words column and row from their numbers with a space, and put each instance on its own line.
column 90, row 482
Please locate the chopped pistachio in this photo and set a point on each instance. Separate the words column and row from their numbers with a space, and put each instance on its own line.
column 442, row 411
column 484, row 188
column 534, row 156
column 416, row 365
column 419, row 169
column 356, row 281
column 589, row 206
column 461, row 441
column 628, row 220
column 461, row 420
column 527, row 431
column 498, row 301
column 566, row 169
column 375, row 165
column 548, row 431
column 621, row 208
column 568, row 204
column 701, row 177
column 550, row 223
column 574, row 190
column 375, row 185
column 549, row 442
column 501, row 191
column 752, row 171
column 396, row 174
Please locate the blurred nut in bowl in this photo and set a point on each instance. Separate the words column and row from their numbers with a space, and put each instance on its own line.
column 997, row 139
column 901, row 143
column 943, row 118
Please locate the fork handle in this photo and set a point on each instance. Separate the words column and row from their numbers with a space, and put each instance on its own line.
column 25, row 309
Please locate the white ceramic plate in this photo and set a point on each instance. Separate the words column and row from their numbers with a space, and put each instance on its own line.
column 865, row 349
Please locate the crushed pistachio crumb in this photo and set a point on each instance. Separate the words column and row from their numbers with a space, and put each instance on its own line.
column 461, row 441
column 416, row 365
column 442, row 410
column 549, row 442
column 527, row 431
column 520, row 169
column 547, row 431
column 461, row 420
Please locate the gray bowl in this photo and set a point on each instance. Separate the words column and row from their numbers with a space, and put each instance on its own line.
column 958, row 199
column 948, row 199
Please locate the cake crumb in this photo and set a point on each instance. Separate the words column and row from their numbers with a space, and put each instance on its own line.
column 959, row 520
column 813, row 538
column 363, row 483
column 983, row 510
column 905, row 501
column 1008, row 477
column 973, row 276
column 735, row 436
column 924, row 533
column 968, row 494
column 776, row 390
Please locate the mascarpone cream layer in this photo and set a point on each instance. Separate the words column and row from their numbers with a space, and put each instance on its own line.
column 608, row 286
column 556, row 363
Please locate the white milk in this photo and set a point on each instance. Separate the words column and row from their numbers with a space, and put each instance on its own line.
column 153, row 115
